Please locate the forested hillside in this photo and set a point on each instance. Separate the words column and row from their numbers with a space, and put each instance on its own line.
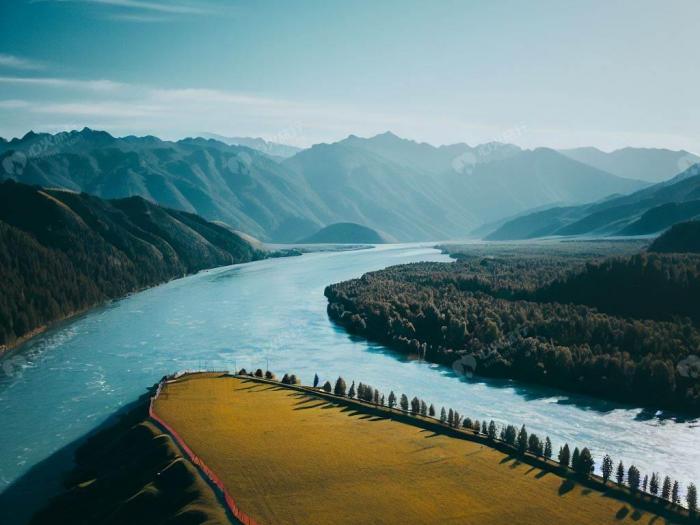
column 63, row 252
column 681, row 238
column 501, row 310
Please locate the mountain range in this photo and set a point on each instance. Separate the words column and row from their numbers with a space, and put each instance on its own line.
column 647, row 164
column 643, row 212
column 409, row 190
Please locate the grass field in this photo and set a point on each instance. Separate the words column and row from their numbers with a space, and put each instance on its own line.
column 290, row 457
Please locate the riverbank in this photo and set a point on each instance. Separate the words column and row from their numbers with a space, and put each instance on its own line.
column 328, row 455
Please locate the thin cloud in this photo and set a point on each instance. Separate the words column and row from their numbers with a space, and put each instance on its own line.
column 15, row 62
column 92, row 85
column 173, row 8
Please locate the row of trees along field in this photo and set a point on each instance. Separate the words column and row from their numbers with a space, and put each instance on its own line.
column 581, row 462
column 521, row 318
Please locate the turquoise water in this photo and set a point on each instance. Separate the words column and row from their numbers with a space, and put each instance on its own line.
column 67, row 381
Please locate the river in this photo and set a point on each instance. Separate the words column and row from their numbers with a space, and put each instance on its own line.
column 65, row 382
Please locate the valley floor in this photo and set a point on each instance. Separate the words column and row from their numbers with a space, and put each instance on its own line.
column 288, row 455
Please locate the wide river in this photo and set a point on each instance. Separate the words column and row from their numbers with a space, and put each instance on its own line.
column 67, row 381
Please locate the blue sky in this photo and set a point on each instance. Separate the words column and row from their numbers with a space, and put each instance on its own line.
column 536, row 73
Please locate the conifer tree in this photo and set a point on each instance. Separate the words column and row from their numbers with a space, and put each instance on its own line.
column 351, row 392
column 381, row 400
column 316, row 380
column 431, row 410
column 691, row 498
column 522, row 441
column 392, row 399
column 443, row 415
column 484, row 429
column 547, row 448
column 565, row 455
column 676, row 493
column 326, row 386
column 666, row 489
column 375, row 399
column 415, row 406
column 585, row 463
column 511, row 435
column 620, row 474
column 468, row 423
column 492, row 430
column 404, row 402
column 533, row 444
column 607, row 468
column 340, row 387
column 574, row 459
column 450, row 417
column 654, row 484
column 423, row 408
column 476, row 426
column 645, row 483
column 633, row 477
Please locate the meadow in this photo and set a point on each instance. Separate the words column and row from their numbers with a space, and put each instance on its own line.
column 290, row 456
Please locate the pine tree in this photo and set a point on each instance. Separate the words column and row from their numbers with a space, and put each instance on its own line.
column 443, row 415
column 456, row 419
column 676, row 493
column 450, row 417
column 492, row 430
column 564, row 455
column 691, row 498
column 585, row 463
column 415, row 406
column 607, row 468
column 381, row 400
column 574, row 459
column 666, row 489
column 431, row 410
column 316, row 380
column 654, row 484
column 326, row 386
column 620, row 474
column 533, row 444
column 468, row 423
column 351, row 392
column 404, row 402
column 476, row 426
column 392, row 399
column 522, row 441
column 340, row 387
column 423, row 408
column 511, row 435
column 547, row 448
column 645, row 483
column 484, row 429
column 633, row 478
column 375, row 399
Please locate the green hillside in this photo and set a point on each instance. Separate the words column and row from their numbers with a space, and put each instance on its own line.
column 62, row 252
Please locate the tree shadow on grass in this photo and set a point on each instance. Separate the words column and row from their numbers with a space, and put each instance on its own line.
column 566, row 486
column 622, row 513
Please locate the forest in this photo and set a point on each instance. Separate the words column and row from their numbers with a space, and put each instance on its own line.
column 622, row 326
column 62, row 252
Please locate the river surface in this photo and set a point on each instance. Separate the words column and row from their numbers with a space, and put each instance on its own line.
column 67, row 381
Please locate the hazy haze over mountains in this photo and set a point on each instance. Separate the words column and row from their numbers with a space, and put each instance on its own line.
column 273, row 149
column 644, row 212
column 649, row 164
column 409, row 190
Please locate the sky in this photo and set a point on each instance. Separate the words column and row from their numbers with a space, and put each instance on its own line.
column 535, row 73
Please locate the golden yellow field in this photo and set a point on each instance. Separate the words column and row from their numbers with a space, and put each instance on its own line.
column 289, row 457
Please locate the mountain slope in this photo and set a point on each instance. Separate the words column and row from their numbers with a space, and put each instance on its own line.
column 237, row 185
column 648, row 164
column 647, row 211
column 683, row 237
column 412, row 191
column 272, row 149
column 63, row 252
column 346, row 233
